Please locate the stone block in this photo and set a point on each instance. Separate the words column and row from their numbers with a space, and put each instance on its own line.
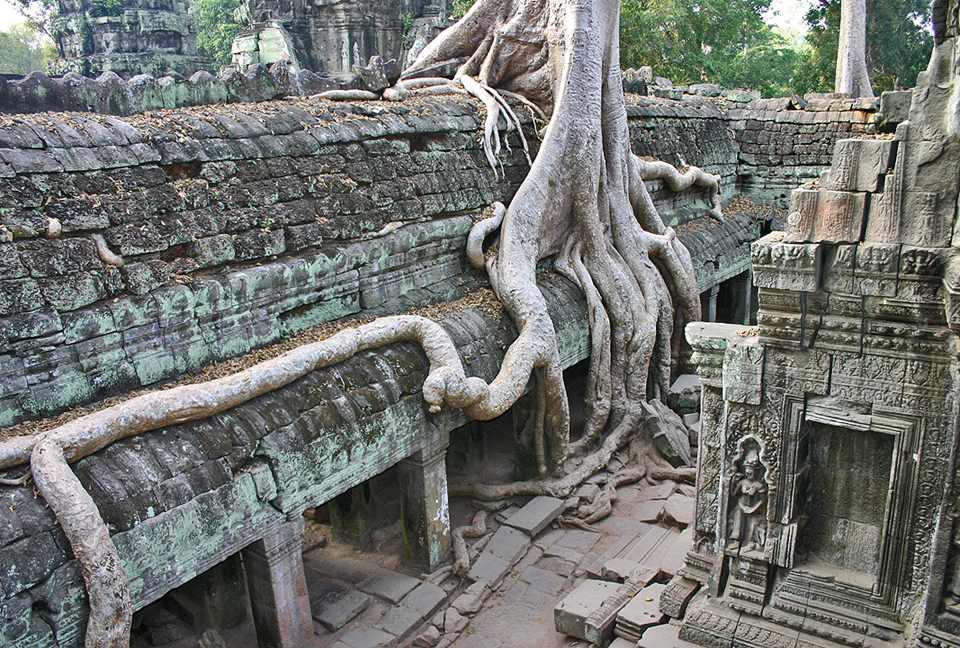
column 743, row 372
column 781, row 265
column 858, row 164
column 677, row 595
column 825, row 216
column 573, row 612
column 684, row 396
column 536, row 515
column 618, row 569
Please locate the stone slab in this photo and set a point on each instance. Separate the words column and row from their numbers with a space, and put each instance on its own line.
column 660, row 491
column 416, row 607
column 508, row 544
column 367, row 638
column 536, row 515
column 336, row 613
column 679, row 510
column 389, row 586
column 488, row 569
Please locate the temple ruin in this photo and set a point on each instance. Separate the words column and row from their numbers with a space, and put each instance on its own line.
column 330, row 38
column 126, row 37
column 248, row 323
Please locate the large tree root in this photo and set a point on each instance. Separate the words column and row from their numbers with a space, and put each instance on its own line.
column 50, row 453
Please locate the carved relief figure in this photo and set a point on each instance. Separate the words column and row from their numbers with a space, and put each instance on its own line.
column 746, row 528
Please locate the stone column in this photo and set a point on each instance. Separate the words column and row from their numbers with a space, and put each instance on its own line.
column 278, row 588
column 426, row 510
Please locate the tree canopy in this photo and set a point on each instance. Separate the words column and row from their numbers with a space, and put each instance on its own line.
column 24, row 50
column 898, row 42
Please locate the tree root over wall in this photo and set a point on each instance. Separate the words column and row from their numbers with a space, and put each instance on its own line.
column 584, row 205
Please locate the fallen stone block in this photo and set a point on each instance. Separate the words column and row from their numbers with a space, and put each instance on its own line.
column 415, row 608
column 573, row 612
column 536, row 515
column 454, row 622
column 677, row 595
column 684, row 396
column 661, row 491
column 428, row 638
column 670, row 435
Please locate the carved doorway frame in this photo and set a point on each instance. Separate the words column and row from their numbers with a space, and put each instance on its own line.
column 907, row 432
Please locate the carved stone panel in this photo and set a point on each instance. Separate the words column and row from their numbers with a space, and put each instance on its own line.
column 743, row 372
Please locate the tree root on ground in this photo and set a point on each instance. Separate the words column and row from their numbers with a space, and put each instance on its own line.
column 477, row 529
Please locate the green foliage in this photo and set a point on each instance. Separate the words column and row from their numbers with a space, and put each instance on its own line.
column 24, row 50
column 691, row 40
column 106, row 8
column 727, row 42
column 898, row 42
column 217, row 26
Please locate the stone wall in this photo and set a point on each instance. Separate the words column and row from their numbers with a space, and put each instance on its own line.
column 787, row 142
column 128, row 38
column 243, row 224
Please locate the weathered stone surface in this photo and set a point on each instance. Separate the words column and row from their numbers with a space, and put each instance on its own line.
column 336, row 613
column 390, row 586
column 572, row 613
column 642, row 612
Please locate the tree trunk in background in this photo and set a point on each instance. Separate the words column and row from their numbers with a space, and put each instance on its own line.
column 852, row 75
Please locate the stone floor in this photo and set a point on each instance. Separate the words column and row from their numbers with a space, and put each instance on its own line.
column 515, row 582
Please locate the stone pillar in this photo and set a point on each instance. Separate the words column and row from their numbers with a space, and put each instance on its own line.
column 426, row 510
column 711, row 314
column 278, row 588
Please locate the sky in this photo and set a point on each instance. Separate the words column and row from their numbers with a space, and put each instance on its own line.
column 783, row 13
